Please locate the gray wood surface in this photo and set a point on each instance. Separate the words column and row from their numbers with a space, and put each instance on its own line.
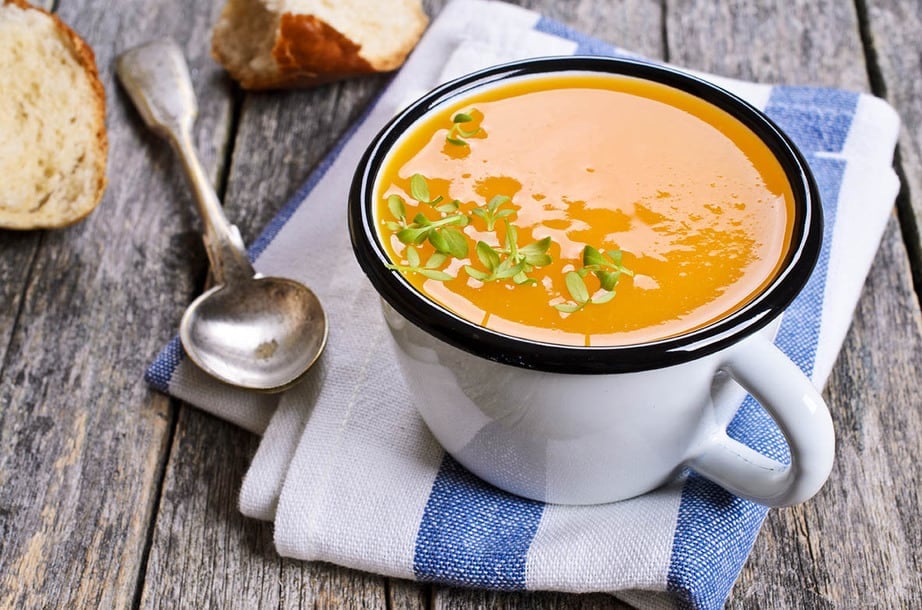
column 893, row 31
column 113, row 496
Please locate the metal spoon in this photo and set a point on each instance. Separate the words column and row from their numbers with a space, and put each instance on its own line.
column 260, row 333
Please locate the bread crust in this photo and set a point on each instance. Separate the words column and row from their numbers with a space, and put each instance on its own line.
column 307, row 51
column 84, row 55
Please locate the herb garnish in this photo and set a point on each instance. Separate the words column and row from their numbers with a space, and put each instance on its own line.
column 512, row 261
column 430, row 269
column 419, row 190
column 457, row 135
column 606, row 267
column 492, row 213
column 441, row 233
column 398, row 209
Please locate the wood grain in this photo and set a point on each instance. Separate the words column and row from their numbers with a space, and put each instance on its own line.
column 82, row 439
column 17, row 253
column 894, row 32
column 769, row 41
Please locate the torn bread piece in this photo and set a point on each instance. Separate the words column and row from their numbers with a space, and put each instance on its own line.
column 271, row 44
column 53, row 142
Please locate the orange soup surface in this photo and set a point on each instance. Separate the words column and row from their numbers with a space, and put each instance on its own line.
column 690, row 209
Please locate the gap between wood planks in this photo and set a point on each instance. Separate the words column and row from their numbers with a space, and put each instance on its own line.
column 22, row 303
column 158, row 483
column 909, row 230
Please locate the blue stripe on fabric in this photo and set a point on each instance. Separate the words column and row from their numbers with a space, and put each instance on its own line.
column 473, row 534
column 161, row 370
column 800, row 325
column 159, row 374
column 715, row 530
column 816, row 118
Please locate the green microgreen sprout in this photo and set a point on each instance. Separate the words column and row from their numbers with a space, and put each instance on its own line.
column 508, row 262
column 398, row 209
column 512, row 262
column 430, row 269
column 419, row 190
column 498, row 268
column 606, row 267
column 492, row 213
column 457, row 135
column 441, row 233
column 529, row 256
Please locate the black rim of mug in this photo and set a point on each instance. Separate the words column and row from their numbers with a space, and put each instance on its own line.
column 486, row 343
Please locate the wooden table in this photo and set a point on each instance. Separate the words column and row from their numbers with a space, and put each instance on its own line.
column 114, row 496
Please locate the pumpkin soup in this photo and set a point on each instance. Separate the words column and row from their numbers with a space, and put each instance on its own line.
column 585, row 209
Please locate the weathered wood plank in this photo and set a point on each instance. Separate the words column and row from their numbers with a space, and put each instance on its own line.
column 894, row 28
column 17, row 252
column 769, row 41
column 407, row 595
column 206, row 554
column 82, row 439
column 806, row 555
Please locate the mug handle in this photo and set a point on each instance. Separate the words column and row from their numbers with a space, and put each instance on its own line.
column 798, row 409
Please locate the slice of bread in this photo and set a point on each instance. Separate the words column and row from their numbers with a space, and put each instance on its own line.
column 268, row 44
column 53, row 142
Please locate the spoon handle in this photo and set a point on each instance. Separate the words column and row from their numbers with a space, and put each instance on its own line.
column 157, row 80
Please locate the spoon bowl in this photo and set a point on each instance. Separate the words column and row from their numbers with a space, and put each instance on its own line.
column 262, row 333
column 254, row 332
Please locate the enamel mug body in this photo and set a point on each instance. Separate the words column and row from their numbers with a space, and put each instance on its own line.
column 582, row 425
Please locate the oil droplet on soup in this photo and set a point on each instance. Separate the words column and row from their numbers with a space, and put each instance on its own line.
column 696, row 202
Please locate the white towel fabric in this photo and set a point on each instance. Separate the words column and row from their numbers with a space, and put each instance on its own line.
column 349, row 472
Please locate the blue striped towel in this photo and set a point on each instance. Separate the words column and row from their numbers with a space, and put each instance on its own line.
column 348, row 471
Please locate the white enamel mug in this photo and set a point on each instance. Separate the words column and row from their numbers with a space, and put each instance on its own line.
column 585, row 425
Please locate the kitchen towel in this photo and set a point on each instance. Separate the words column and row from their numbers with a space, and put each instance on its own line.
column 350, row 474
